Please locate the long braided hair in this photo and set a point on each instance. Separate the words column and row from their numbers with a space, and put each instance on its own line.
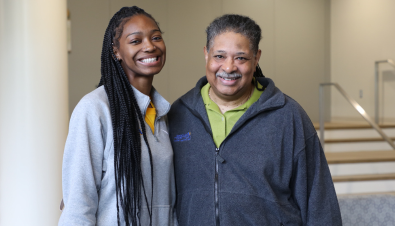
column 127, row 120
column 258, row 74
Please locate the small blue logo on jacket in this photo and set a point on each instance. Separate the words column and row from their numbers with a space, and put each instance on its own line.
column 182, row 137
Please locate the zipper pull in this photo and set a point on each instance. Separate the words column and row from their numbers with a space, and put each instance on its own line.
column 218, row 157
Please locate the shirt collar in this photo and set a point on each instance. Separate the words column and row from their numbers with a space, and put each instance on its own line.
column 162, row 106
column 210, row 104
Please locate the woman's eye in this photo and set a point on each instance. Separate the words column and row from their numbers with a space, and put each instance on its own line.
column 134, row 42
column 156, row 38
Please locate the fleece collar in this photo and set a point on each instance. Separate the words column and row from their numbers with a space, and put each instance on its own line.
column 271, row 98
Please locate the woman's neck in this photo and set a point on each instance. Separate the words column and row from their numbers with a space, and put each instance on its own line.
column 142, row 83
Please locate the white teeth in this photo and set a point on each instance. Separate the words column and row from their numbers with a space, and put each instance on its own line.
column 228, row 79
column 149, row 60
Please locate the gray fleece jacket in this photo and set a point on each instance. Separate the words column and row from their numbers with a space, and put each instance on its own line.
column 88, row 164
column 269, row 170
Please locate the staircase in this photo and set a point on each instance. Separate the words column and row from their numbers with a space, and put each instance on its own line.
column 360, row 161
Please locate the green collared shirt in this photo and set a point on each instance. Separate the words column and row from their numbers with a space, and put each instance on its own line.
column 222, row 124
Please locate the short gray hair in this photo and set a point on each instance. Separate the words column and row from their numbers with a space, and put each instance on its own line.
column 238, row 24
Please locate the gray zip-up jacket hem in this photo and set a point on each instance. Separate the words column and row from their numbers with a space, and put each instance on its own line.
column 88, row 165
column 269, row 170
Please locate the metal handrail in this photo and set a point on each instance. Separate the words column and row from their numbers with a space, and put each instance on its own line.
column 376, row 86
column 356, row 106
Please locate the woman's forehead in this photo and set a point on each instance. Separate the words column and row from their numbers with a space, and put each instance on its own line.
column 139, row 24
column 231, row 41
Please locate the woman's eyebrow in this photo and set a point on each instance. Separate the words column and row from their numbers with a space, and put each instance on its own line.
column 135, row 33
column 139, row 32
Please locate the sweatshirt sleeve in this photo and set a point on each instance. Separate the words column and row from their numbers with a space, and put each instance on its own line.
column 312, row 186
column 82, row 166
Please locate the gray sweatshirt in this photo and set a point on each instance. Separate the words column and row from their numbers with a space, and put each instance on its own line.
column 88, row 164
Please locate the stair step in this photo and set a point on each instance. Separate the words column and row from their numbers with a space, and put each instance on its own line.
column 344, row 125
column 350, row 140
column 350, row 195
column 364, row 177
column 359, row 157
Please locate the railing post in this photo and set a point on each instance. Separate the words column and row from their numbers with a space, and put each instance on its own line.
column 376, row 92
column 376, row 86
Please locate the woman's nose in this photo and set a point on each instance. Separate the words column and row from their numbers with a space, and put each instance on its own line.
column 229, row 66
column 149, row 47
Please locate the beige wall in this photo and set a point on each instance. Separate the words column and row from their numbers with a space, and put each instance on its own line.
column 295, row 45
column 362, row 32
column 89, row 19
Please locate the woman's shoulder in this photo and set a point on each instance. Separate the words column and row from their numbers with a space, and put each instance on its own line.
column 97, row 96
column 95, row 102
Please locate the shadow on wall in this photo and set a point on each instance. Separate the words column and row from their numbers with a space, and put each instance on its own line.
column 389, row 76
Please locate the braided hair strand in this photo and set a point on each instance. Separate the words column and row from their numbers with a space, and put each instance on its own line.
column 127, row 120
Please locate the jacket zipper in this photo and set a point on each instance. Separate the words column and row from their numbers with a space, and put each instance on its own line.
column 218, row 158
column 216, row 188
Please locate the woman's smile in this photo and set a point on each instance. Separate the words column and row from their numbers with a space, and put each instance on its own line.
column 149, row 61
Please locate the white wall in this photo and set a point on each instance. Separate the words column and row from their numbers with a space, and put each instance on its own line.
column 362, row 32
column 34, row 110
column 295, row 45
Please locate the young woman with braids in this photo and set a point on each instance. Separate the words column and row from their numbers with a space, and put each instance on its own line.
column 118, row 161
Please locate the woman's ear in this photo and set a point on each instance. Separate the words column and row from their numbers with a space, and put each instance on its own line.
column 116, row 53
column 257, row 57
